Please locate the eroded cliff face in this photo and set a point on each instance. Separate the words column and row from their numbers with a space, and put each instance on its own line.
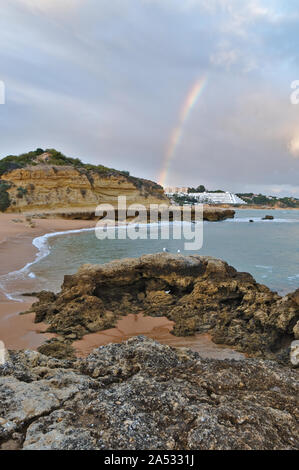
column 200, row 294
column 49, row 187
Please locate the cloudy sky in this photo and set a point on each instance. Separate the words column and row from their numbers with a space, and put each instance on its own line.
column 106, row 81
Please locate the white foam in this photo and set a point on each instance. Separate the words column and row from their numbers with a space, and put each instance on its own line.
column 41, row 243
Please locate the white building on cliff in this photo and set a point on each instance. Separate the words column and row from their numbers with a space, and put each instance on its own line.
column 211, row 198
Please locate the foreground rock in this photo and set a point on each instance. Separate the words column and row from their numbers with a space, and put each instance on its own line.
column 198, row 293
column 142, row 395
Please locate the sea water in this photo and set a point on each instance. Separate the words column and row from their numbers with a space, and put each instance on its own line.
column 267, row 249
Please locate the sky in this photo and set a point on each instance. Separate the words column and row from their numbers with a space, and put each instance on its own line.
column 111, row 82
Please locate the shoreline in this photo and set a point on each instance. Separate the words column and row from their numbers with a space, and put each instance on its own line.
column 17, row 253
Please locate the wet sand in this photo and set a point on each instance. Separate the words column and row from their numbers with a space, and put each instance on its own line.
column 157, row 328
column 16, row 250
column 20, row 331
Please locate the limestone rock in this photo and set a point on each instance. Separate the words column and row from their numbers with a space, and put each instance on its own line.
column 50, row 187
column 294, row 354
column 142, row 395
column 198, row 293
column 296, row 330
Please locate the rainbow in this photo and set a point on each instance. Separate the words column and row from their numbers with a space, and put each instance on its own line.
column 177, row 133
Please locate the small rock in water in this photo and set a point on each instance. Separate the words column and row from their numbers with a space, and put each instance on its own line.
column 268, row 217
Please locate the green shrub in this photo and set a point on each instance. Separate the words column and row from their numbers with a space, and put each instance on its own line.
column 4, row 196
column 12, row 162
column 261, row 199
column 199, row 189
column 21, row 192
column 184, row 199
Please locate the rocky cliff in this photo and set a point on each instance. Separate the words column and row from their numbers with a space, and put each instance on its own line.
column 142, row 395
column 70, row 192
column 50, row 183
column 200, row 294
column 50, row 187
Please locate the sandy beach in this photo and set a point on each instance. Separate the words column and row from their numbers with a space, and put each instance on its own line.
column 20, row 332
column 16, row 250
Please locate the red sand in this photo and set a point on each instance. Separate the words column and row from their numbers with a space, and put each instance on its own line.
column 157, row 328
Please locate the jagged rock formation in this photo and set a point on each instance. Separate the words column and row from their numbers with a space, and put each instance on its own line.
column 142, row 395
column 198, row 293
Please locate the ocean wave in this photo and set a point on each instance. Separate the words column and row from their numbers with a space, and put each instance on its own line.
column 42, row 245
column 267, row 268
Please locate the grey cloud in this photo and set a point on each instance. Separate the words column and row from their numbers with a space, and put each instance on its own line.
column 105, row 81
